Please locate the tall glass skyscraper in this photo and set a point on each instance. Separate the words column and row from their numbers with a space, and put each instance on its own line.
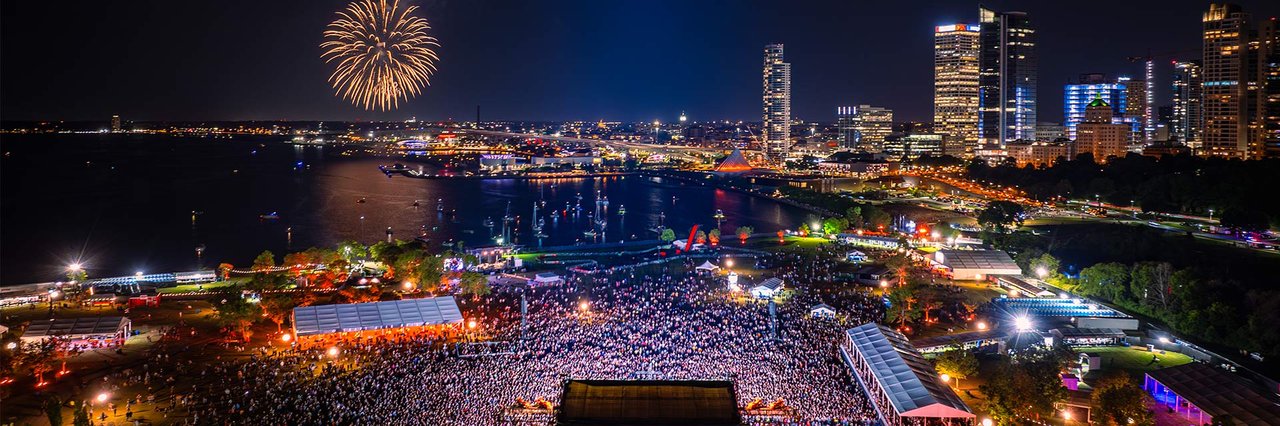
column 955, row 83
column 1007, row 78
column 777, row 103
column 1188, row 111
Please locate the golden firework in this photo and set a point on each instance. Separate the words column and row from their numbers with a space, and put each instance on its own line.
column 382, row 54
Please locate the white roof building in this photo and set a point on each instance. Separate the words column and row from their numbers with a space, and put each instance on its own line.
column 976, row 264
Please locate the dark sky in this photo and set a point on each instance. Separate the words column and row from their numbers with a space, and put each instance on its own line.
column 544, row 60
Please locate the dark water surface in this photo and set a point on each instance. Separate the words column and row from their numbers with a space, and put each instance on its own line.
column 124, row 203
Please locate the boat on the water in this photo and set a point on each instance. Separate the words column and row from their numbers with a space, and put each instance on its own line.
column 269, row 216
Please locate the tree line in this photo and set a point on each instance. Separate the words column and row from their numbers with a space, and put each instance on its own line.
column 1239, row 192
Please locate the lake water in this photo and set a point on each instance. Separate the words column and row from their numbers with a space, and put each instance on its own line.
column 125, row 203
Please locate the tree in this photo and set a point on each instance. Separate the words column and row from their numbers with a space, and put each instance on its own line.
column 902, row 305
column 224, row 270
column 957, row 363
column 700, row 237
column 668, row 235
column 1045, row 267
column 744, row 232
column 834, row 225
column 1025, row 390
column 1106, row 280
column 854, row 216
column 1152, row 284
column 1121, row 402
column 237, row 314
column 77, row 275
column 714, row 236
column 1244, row 219
column 999, row 216
column 352, row 251
column 804, row 230
column 473, row 283
column 53, row 409
column 277, row 307
column 265, row 261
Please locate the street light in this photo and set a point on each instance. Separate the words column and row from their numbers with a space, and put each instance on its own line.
column 102, row 397
column 333, row 352
column 1041, row 272
column 982, row 325
column 1022, row 323
column 946, row 378
column 986, row 422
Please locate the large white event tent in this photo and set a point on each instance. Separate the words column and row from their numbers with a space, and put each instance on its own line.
column 323, row 319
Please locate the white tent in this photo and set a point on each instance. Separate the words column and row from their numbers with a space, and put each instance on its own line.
column 822, row 310
column 322, row 319
column 767, row 288
column 707, row 266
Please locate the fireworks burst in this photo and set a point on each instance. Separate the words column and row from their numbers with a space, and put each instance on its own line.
column 382, row 53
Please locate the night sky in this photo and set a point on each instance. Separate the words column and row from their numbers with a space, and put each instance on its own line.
column 546, row 60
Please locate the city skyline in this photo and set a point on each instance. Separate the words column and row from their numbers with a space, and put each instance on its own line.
column 203, row 70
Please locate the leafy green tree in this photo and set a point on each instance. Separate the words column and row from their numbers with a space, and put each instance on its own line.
column 804, row 230
column 1106, row 280
column 352, row 251
column 473, row 283
column 1027, row 389
column 224, row 270
column 1152, row 284
column 277, row 307
column 714, row 236
column 744, row 232
column 957, row 363
column 1046, row 267
column 1121, row 402
column 1000, row 216
column 834, row 225
column 903, row 308
column 876, row 217
column 700, row 237
column 854, row 216
column 237, row 314
column 77, row 275
column 265, row 261
column 668, row 235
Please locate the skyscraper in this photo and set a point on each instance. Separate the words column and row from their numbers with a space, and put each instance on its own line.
column 955, row 83
column 1269, row 84
column 1007, row 78
column 1137, row 110
column 115, row 124
column 1188, row 111
column 777, row 103
column 864, row 127
column 1229, row 105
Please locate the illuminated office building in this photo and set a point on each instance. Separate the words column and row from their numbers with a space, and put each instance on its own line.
column 912, row 146
column 1100, row 135
column 115, row 124
column 1188, row 109
column 1230, row 69
column 777, row 103
column 1116, row 93
column 863, row 127
column 1137, row 110
column 1007, row 78
column 1269, row 87
column 955, row 84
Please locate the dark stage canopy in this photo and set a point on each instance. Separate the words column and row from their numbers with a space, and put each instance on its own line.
column 648, row 402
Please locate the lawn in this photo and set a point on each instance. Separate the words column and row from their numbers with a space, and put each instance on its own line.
column 1134, row 360
column 183, row 288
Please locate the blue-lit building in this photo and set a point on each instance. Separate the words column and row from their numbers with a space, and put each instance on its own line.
column 1076, row 97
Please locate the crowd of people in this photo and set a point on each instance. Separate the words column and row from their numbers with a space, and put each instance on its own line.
column 663, row 321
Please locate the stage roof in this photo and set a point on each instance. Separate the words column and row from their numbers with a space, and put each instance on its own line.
column 74, row 327
column 312, row 320
column 913, row 387
column 1218, row 392
column 648, row 402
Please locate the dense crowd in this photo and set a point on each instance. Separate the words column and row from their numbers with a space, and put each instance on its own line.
column 622, row 324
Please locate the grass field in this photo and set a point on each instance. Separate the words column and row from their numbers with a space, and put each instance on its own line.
column 206, row 286
column 1134, row 360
